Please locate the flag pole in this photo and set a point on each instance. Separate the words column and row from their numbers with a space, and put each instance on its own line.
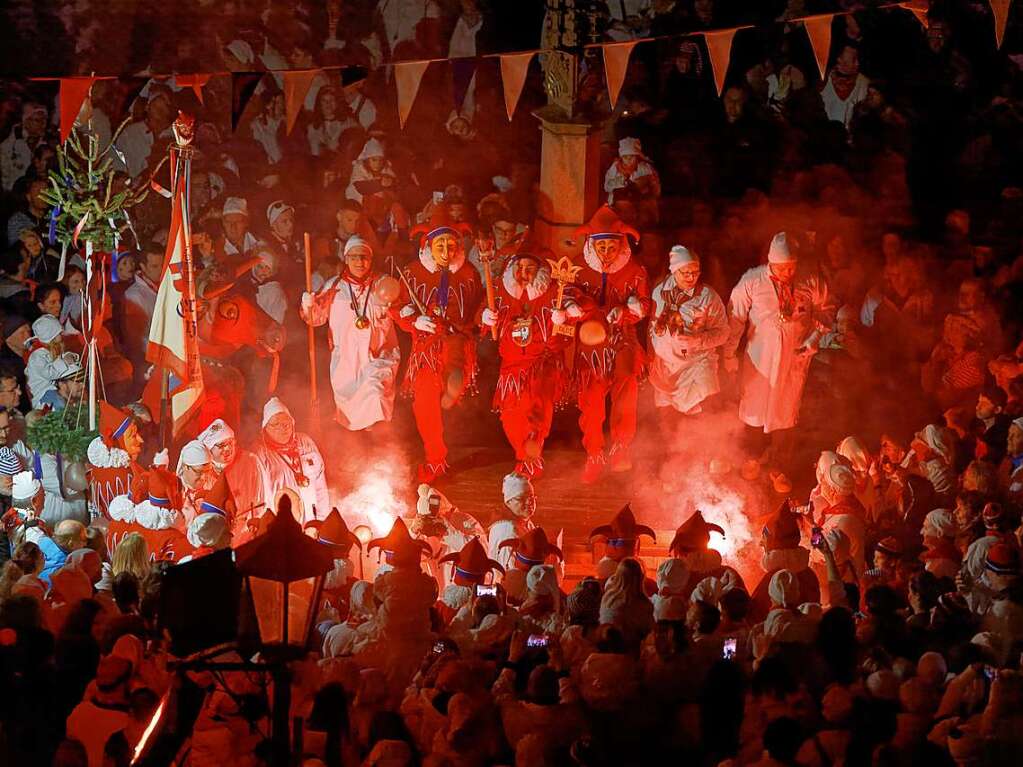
column 309, row 323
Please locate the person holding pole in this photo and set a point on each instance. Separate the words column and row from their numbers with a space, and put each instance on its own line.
column 364, row 353
column 532, row 377
column 438, row 307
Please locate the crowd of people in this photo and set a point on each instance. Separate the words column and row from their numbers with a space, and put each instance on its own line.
column 833, row 261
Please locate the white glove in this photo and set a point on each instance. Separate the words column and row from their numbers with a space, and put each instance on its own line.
column 425, row 324
column 162, row 459
column 635, row 306
column 558, row 316
column 70, row 358
column 307, row 301
column 614, row 315
column 407, row 310
column 574, row 311
column 489, row 317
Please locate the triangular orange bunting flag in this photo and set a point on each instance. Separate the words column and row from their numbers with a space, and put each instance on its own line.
column 407, row 76
column 1000, row 8
column 514, row 68
column 918, row 9
column 818, row 28
column 195, row 82
column 719, row 46
column 616, row 64
column 73, row 91
column 296, row 86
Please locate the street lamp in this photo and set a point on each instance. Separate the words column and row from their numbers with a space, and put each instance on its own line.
column 283, row 571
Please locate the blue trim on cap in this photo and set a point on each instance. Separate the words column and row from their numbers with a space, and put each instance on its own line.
column 388, row 557
column 442, row 230
column 120, row 430
column 459, row 572
column 163, row 503
column 999, row 569
column 211, row 508
column 606, row 235
column 619, row 543
column 527, row 560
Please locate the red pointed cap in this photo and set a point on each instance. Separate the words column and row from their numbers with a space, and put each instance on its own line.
column 471, row 564
column 162, row 489
column 113, row 423
column 606, row 223
column 333, row 531
column 782, row 529
column 622, row 534
column 531, row 549
column 218, row 499
column 693, row 534
column 399, row 547
column 440, row 222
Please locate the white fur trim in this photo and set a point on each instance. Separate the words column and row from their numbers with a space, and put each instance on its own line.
column 103, row 457
column 795, row 559
column 121, row 509
column 154, row 518
column 456, row 596
column 540, row 283
column 702, row 561
column 592, row 261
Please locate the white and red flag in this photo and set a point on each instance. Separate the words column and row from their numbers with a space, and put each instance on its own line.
column 173, row 334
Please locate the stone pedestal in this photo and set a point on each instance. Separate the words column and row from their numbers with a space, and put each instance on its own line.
column 570, row 183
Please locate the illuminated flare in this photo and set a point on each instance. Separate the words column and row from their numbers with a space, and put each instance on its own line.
column 150, row 729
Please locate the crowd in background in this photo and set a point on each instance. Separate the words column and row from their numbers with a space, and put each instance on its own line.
column 886, row 627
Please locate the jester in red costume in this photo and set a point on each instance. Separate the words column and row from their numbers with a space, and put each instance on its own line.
column 113, row 457
column 532, row 376
column 614, row 292
column 439, row 305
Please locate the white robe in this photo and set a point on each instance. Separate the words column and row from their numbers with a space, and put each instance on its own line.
column 684, row 370
column 774, row 373
column 276, row 474
column 363, row 362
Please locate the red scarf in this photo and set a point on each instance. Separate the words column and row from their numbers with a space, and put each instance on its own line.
column 288, row 452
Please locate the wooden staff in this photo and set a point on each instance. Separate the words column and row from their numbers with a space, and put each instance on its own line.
column 486, row 258
column 309, row 319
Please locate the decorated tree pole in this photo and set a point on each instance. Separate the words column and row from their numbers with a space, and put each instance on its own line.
column 89, row 202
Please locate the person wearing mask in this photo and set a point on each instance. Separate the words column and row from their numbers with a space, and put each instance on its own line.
column 532, row 375
column 113, row 456
column 614, row 292
column 438, row 308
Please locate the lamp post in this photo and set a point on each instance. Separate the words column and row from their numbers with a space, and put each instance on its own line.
column 283, row 571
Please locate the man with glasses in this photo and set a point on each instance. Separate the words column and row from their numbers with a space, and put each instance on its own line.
column 689, row 326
